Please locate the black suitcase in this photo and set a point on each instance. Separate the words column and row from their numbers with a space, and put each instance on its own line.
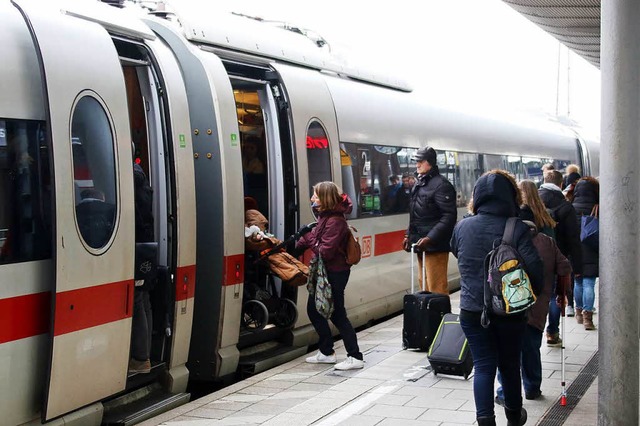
column 449, row 353
column 423, row 312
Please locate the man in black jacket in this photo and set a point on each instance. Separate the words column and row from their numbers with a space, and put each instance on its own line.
column 567, row 238
column 432, row 216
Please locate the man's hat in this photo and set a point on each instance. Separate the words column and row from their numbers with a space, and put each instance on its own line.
column 427, row 154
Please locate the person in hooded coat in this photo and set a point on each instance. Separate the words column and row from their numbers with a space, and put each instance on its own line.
column 328, row 240
column 586, row 196
column 495, row 199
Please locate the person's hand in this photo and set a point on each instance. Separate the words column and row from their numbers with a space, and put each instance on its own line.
column 406, row 246
column 305, row 229
column 423, row 243
column 561, row 301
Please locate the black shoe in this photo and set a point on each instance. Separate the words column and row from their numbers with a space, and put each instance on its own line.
column 533, row 395
column 499, row 401
column 516, row 417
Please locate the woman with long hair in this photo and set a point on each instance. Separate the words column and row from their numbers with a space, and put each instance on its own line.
column 328, row 241
column 533, row 208
column 496, row 198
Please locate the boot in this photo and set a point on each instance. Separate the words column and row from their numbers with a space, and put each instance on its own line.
column 588, row 320
column 486, row 421
column 579, row 317
column 516, row 417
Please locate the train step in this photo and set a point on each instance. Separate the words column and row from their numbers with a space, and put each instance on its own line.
column 140, row 405
column 252, row 362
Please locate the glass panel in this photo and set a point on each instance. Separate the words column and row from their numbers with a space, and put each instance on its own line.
column 378, row 178
column 94, row 176
column 318, row 155
column 25, row 192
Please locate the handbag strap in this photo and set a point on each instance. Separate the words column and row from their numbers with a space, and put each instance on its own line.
column 594, row 210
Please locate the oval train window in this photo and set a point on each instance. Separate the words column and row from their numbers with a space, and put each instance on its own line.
column 318, row 155
column 94, row 172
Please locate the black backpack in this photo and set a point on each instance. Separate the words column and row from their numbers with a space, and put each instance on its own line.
column 507, row 287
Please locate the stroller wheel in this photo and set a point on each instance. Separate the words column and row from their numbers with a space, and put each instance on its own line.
column 286, row 315
column 255, row 315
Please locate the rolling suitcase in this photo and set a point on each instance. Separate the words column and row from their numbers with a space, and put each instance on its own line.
column 423, row 312
column 449, row 353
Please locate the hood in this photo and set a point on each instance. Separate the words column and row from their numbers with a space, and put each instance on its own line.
column 255, row 218
column 586, row 192
column 551, row 187
column 345, row 207
column 494, row 194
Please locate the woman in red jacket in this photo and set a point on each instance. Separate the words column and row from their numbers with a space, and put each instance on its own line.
column 328, row 240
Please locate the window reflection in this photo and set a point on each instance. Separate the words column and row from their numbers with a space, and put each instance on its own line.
column 25, row 192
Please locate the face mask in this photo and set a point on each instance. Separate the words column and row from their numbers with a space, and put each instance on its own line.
column 314, row 204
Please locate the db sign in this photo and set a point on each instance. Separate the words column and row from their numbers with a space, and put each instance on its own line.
column 366, row 246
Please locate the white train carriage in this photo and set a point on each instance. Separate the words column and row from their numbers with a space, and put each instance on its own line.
column 224, row 112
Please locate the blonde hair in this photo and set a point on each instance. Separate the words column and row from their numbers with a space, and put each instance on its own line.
column 329, row 195
column 572, row 168
column 531, row 198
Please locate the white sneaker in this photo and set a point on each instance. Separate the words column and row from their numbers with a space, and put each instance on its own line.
column 350, row 364
column 570, row 312
column 321, row 358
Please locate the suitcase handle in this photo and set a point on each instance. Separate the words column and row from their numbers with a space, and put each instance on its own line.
column 413, row 284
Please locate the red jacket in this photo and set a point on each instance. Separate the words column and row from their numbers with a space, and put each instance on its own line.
column 329, row 238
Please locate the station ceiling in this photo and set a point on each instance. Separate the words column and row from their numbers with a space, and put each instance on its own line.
column 575, row 23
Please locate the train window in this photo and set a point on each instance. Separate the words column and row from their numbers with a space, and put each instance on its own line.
column 94, row 172
column 318, row 155
column 468, row 171
column 25, row 192
column 377, row 178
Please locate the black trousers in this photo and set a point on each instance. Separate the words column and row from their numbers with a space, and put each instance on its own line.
column 142, row 325
column 338, row 281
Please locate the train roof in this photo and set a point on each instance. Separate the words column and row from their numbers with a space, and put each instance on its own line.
column 210, row 26
column 364, row 112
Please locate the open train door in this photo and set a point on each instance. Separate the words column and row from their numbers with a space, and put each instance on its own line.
column 94, row 227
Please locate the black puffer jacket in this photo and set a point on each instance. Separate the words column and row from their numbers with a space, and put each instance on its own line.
column 585, row 196
column 432, row 211
column 494, row 201
column 568, row 228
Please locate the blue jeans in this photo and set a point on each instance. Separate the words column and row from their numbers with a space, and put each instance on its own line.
column 498, row 346
column 585, row 294
column 338, row 281
column 554, row 314
column 531, row 362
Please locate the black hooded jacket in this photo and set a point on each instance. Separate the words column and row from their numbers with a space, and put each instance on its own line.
column 585, row 196
column 432, row 211
column 568, row 228
column 494, row 202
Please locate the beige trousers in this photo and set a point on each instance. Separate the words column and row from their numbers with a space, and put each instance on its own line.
column 436, row 272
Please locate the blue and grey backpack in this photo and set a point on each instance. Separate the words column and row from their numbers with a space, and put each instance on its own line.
column 507, row 287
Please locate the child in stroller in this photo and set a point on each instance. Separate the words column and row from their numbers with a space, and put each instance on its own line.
column 261, row 302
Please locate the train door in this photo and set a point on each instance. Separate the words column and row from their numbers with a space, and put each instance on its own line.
column 150, row 153
column 93, row 224
column 268, row 183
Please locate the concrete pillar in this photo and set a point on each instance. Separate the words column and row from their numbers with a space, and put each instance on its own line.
column 619, row 225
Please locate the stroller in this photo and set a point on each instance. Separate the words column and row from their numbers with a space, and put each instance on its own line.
column 266, row 259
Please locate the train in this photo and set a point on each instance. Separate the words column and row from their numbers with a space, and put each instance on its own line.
column 220, row 109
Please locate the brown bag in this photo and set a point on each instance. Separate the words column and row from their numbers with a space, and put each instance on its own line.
column 289, row 269
column 353, row 253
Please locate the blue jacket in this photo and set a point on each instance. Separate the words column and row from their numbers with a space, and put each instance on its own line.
column 473, row 237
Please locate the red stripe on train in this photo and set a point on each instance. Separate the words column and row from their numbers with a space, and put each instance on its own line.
column 92, row 306
column 185, row 282
column 24, row 316
column 388, row 242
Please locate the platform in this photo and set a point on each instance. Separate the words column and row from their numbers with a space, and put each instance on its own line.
column 396, row 387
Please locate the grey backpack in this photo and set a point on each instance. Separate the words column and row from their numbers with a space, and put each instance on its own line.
column 507, row 287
